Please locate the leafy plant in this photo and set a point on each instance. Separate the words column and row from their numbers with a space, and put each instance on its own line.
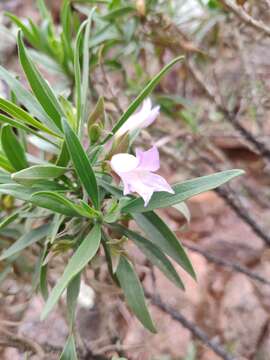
column 70, row 186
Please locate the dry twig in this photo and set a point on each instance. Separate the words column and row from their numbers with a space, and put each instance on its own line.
column 193, row 328
column 245, row 17
column 258, row 145
column 227, row 264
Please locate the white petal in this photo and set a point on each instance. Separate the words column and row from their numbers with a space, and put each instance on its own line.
column 122, row 163
column 141, row 119
column 151, row 117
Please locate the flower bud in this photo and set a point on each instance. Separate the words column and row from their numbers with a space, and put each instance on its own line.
column 95, row 132
column 7, row 202
column 98, row 114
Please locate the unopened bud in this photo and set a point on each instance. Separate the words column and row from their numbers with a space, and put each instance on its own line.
column 7, row 202
column 95, row 132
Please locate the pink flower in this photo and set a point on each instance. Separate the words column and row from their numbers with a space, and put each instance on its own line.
column 137, row 173
column 140, row 120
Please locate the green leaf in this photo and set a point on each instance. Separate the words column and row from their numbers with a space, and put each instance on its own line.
column 85, row 252
column 44, row 11
column 162, row 236
column 85, row 70
column 154, row 254
column 4, row 177
column 27, row 33
column 81, row 164
column 183, row 191
column 63, row 157
column 66, row 15
column 57, row 203
column 30, row 175
column 26, row 240
column 14, row 123
column 184, row 210
column 73, row 291
column 40, row 87
column 18, row 191
column 98, row 114
column 5, row 164
column 69, row 352
column 133, row 292
column 9, row 219
column 21, row 115
column 43, row 282
column 27, row 99
column 12, row 148
column 77, row 74
column 115, row 14
column 143, row 94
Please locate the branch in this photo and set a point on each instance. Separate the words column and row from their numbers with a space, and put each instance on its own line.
column 43, row 351
column 238, row 208
column 245, row 17
column 193, row 328
column 20, row 342
column 230, row 116
column 221, row 262
column 242, row 212
column 230, row 198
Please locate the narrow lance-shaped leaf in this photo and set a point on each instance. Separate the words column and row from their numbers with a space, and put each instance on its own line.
column 44, row 11
column 69, row 352
column 12, row 148
column 143, row 94
column 67, row 29
column 26, row 240
column 40, row 87
column 43, row 285
column 133, row 292
column 85, row 252
column 31, row 38
column 154, row 254
column 57, row 203
column 161, row 235
column 183, row 209
column 18, row 191
column 183, row 191
column 5, row 177
column 73, row 291
column 5, row 164
column 115, row 14
column 77, row 74
column 23, row 116
column 81, row 164
column 85, row 71
column 27, row 99
column 63, row 156
column 9, row 219
column 18, row 125
column 38, row 172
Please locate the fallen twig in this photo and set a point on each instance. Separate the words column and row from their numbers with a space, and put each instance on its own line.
column 245, row 17
column 258, row 145
column 193, row 328
column 225, row 263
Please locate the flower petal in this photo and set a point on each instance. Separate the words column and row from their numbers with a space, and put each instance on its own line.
column 156, row 182
column 145, row 184
column 135, row 179
column 148, row 160
column 122, row 163
column 151, row 117
column 141, row 119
